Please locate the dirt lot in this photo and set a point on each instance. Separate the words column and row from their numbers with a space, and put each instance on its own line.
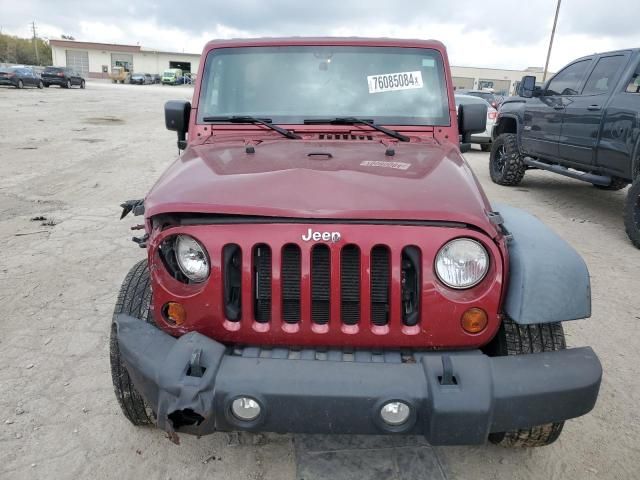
column 68, row 157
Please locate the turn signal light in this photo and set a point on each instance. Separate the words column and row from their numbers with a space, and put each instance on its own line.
column 474, row 320
column 175, row 313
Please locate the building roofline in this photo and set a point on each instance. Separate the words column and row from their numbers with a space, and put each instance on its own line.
column 118, row 47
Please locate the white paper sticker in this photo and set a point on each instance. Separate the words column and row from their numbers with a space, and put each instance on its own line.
column 379, row 163
column 388, row 82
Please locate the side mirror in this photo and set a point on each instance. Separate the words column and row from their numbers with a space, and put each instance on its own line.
column 527, row 86
column 472, row 118
column 176, row 118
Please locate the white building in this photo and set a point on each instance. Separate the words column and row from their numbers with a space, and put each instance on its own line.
column 94, row 60
column 502, row 81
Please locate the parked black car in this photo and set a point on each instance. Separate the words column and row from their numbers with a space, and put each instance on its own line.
column 141, row 79
column 156, row 78
column 64, row 77
column 20, row 77
column 583, row 123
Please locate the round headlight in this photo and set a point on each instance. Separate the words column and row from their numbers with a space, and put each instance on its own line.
column 192, row 258
column 462, row 263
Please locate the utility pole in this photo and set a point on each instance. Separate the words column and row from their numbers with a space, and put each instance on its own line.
column 35, row 41
column 553, row 32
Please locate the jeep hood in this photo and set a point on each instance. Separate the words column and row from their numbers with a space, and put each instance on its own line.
column 349, row 179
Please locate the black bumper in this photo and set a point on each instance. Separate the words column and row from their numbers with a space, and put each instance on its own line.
column 54, row 80
column 323, row 393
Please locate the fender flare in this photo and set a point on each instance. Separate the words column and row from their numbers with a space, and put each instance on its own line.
column 548, row 280
column 511, row 116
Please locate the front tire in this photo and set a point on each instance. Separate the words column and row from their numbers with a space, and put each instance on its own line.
column 67, row 84
column 82, row 84
column 40, row 85
column 20, row 84
column 632, row 213
column 506, row 166
column 134, row 299
column 514, row 339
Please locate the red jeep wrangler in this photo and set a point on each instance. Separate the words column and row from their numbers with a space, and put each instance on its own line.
column 322, row 259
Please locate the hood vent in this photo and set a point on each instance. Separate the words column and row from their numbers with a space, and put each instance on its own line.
column 343, row 136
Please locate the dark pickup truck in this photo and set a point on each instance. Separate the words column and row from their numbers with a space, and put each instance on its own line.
column 583, row 123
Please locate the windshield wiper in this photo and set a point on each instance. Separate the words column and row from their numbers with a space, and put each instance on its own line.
column 354, row 121
column 260, row 121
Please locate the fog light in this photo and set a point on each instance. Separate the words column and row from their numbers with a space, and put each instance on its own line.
column 245, row 409
column 175, row 313
column 395, row 413
column 474, row 320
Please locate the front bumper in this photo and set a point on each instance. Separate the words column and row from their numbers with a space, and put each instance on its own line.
column 308, row 391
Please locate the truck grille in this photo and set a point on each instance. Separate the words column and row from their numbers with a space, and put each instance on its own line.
column 339, row 284
column 363, row 277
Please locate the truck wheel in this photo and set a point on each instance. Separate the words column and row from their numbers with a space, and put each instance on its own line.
column 514, row 339
column 134, row 299
column 485, row 147
column 616, row 184
column 632, row 213
column 505, row 162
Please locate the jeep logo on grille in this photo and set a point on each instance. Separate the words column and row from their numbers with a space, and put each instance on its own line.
column 324, row 236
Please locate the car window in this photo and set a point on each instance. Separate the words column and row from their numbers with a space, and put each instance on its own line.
column 634, row 83
column 568, row 80
column 604, row 75
column 291, row 84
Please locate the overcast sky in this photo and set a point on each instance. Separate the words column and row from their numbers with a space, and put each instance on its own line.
column 490, row 33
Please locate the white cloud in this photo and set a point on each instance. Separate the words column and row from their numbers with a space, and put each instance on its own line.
column 493, row 33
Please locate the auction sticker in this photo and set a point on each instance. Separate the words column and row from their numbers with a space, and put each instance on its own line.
column 379, row 163
column 389, row 82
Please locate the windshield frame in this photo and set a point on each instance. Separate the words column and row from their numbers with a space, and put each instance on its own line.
column 441, row 71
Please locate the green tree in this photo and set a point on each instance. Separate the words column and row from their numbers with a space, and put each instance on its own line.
column 22, row 51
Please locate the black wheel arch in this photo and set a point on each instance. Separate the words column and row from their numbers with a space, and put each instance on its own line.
column 507, row 123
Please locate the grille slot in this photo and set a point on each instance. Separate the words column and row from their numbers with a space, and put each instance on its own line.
column 290, row 275
column 320, row 284
column 380, row 272
column 350, row 284
column 232, row 281
column 410, row 285
column 262, row 283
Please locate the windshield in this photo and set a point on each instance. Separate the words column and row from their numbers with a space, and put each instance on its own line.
column 396, row 86
column 169, row 73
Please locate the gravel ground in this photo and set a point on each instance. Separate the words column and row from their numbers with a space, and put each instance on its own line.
column 68, row 157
